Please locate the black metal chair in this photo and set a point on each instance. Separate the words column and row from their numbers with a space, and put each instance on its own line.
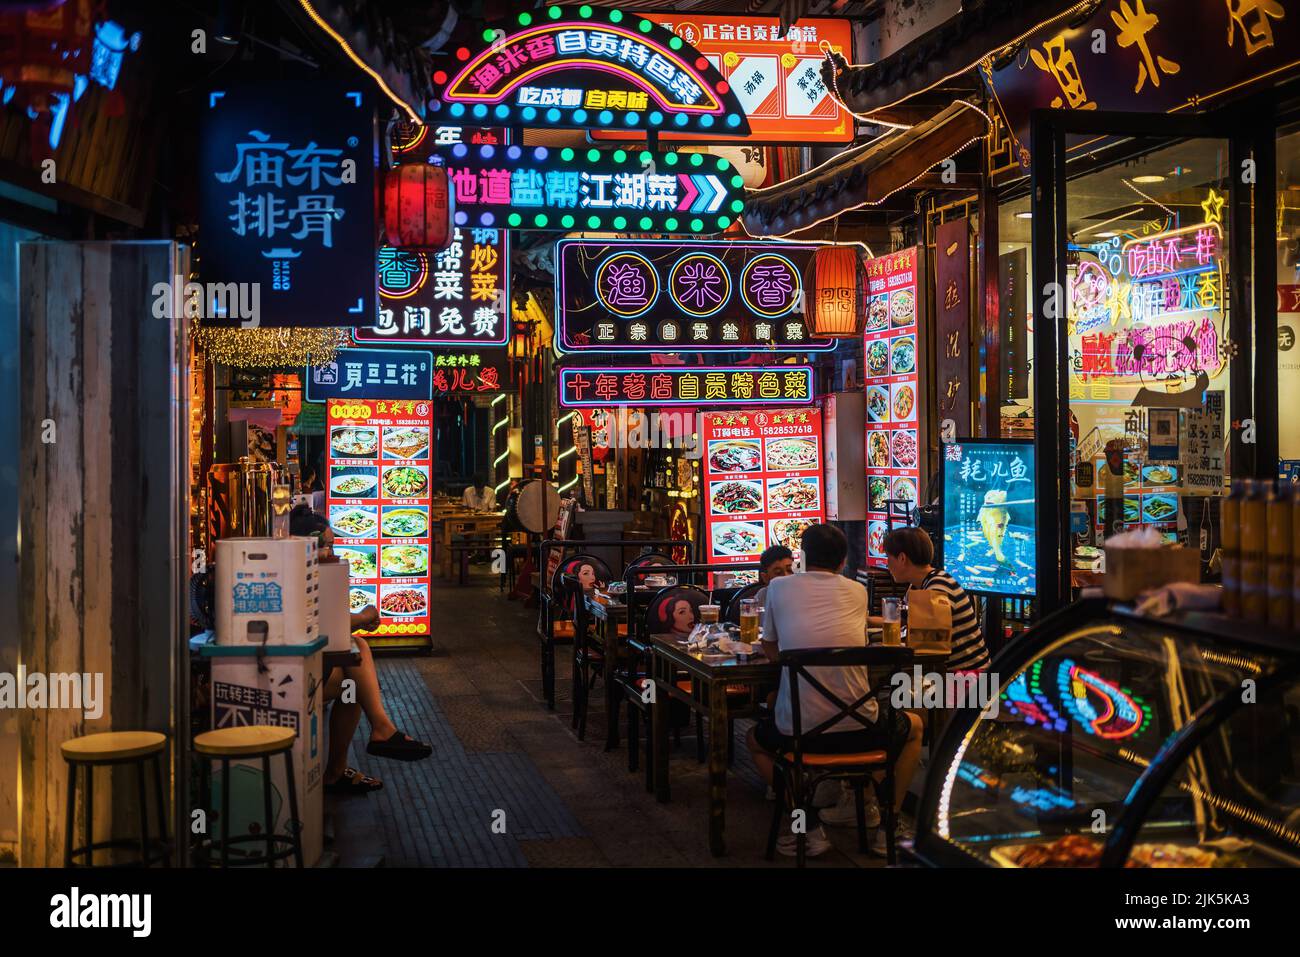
column 732, row 614
column 799, row 770
column 588, row 660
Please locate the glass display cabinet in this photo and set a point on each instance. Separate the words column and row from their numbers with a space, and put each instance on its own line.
column 1122, row 741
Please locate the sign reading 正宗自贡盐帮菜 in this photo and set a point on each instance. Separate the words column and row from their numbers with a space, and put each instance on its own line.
column 287, row 204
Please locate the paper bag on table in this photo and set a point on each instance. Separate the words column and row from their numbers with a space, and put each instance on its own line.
column 929, row 617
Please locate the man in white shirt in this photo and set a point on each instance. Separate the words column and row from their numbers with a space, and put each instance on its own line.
column 823, row 609
column 480, row 496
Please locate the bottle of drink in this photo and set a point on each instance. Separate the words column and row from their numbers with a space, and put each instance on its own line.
column 1280, row 545
column 1254, row 550
column 1230, row 547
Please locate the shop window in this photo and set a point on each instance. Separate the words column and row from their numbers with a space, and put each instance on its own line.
column 1288, row 303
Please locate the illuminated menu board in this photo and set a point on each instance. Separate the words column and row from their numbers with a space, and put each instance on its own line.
column 378, row 462
column 890, row 350
column 762, row 480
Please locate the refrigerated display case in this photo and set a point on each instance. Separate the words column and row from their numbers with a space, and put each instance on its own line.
column 1118, row 740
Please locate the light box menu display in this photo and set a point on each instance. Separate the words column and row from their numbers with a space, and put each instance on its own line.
column 379, row 460
column 989, row 525
column 891, row 351
column 762, row 480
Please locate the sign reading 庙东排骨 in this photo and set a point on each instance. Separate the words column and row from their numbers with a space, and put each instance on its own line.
column 287, row 205
column 536, row 187
column 581, row 67
column 646, row 295
column 655, row 386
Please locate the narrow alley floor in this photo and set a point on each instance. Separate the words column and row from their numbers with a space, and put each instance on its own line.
column 500, row 757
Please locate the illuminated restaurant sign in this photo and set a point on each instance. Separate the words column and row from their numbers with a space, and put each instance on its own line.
column 776, row 77
column 287, row 203
column 652, row 295
column 366, row 373
column 762, row 480
column 587, row 67
column 582, row 387
column 455, row 296
column 537, row 187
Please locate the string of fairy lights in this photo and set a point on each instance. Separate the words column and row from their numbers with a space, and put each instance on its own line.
column 264, row 348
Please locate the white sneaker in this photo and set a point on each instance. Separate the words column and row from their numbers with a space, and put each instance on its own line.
column 827, row 793
column 817, row 843
column 845, row 811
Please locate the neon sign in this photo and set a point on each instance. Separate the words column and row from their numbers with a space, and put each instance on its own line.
column 582, row 387
column 1099, row 706
column 650, row 295
column 540, row 188
column 586, row 67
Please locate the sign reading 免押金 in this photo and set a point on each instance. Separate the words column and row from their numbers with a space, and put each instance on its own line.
column 287, row 205
column 652, row 295
column 582, row 387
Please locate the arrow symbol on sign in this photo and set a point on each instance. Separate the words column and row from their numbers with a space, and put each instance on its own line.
column 692, row 191
column 711, row 191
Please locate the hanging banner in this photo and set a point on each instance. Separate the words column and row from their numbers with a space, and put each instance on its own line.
column 378, row 500
column 537, row 187
column 776, row 78
column 287, row 205
column 891, row 350
column 1158, row 56
column 580, row 67
column 952, row 324
column 1013, row 305
column 650, row 295
column 762, row 480
column 582, row 387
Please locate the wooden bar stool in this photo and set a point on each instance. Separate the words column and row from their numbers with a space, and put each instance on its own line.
column 109, row 748
column 257, row 741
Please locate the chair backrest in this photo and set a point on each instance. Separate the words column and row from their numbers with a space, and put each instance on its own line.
column 796, row 664
column 733, row 606
column 659, row 612
column 654, row 559
column 573, row 566
column 575, row 597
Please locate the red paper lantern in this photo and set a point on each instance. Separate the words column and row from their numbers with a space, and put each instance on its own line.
column 417, row 207
column 836, row 291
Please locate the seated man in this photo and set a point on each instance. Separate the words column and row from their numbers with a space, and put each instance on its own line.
column 385, row 739
column 479, row 496
column 776, row 561
column 823, row 609
column 911, row 553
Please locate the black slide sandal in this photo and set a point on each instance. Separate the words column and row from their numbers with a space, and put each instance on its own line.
column 352, row 781
column 400, row 748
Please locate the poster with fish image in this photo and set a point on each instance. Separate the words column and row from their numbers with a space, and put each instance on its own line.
column 989, row 530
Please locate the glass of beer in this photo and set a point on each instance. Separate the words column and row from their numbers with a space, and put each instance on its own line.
column 892, row 630
column 709, row 614
column 749, row 620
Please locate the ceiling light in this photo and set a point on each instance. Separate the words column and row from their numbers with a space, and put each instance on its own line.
column 1149, row 178
column 1024, row 215
column 1107, row 234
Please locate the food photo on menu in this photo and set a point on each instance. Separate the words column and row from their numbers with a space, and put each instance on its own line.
column 788, row 531
column 360, row 558
column 405, row 481
column 406, row 521
column 729, row 498
column 735, row 455
column 406, row 442
column 791, row 453
column 403, row 601
column 738, row 538
column 792, row 495
column 354, row 442
column 354, row 521
column 354, row 481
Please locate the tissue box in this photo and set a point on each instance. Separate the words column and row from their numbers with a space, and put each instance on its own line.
column 1130, row 571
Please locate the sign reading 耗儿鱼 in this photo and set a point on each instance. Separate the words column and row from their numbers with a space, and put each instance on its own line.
column 581, row 67
column 371, row 373
column 776, row 75
column 456, row 296
column 537, row 187
column 651, row 295
column 287, row 205
column 582, row 387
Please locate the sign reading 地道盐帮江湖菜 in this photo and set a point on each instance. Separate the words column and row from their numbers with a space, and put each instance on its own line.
column 581, row 67
column 654, row 295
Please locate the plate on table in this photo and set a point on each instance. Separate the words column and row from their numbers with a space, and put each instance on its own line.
column 904, row 405
column 902, row 448
column 359, row 596
column 1161, row 507
column 792, row 495
column 877, row 492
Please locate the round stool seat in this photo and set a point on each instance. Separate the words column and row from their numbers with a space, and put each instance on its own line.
column 239, row 742
column 113, row 746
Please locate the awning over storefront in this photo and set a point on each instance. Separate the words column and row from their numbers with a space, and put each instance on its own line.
column 947, row 51
column 863, row 176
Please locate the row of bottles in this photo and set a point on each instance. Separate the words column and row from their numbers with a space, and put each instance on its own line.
column 1261, row 552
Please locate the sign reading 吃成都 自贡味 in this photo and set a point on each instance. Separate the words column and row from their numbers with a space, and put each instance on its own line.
column 891, row 381
column 287, row 205
column 582, row 67
column 652, row 295
column 776, row 75
column 762, row 480
column 583, row 387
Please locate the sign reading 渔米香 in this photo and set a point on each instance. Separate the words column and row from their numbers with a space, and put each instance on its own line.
column 538, row 187
column 776, row 76
column 287, row 205
column 583, row 387
column 653, row 295
column 580, row 67
column 369, row 373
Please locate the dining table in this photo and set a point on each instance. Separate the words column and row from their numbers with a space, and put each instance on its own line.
column 450, row 524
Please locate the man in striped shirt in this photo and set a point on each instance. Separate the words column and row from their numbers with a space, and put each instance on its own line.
column 911, row 554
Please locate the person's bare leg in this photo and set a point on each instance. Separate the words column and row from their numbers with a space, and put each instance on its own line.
column 368, row 695
column 908, row 758
column 344, row 719
column 762, row 760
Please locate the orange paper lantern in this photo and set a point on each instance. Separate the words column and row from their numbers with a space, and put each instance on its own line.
column 836, row 293
column 417, row 207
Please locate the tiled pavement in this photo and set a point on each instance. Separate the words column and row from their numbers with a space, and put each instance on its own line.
column 509, row 784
